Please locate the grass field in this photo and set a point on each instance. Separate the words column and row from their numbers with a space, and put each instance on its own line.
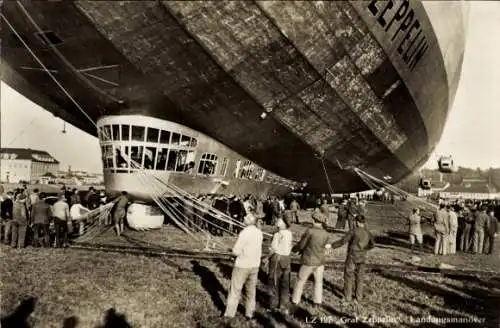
column 160, row 292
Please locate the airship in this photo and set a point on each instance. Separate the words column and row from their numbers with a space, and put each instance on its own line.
column 243, row 97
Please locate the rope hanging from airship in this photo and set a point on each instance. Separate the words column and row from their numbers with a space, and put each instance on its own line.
column 93, row 230
column 377, row 184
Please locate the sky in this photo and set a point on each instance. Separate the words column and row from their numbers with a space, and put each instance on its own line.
column 471, row 134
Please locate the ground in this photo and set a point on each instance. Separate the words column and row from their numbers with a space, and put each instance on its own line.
column 160, row 292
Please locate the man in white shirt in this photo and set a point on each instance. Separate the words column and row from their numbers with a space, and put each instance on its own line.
column 248, row 252
column 280, row 265
column 453, row 224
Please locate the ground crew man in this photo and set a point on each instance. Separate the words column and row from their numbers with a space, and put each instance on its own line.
column 19, row 222
column 465, row 237
column 489, row 240
column 341, row 216
column 312, row 249
column 416, row 229
column 121, row 211
column 442, row 230
column 40, row 216
column 294, row 209
column 353, row 210
column 359, row 240
column 481, row 225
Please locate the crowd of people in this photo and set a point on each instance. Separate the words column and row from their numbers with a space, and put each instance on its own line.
column 470, row 227
column 30, row 217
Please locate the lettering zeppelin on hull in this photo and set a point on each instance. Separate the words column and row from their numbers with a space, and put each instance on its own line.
column 399, row 19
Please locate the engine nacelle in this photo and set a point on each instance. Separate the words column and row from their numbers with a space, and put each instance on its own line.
column 425, row 184
column 446, row 164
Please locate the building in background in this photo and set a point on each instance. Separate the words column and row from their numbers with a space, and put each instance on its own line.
column 25, row 165
column 478, row 189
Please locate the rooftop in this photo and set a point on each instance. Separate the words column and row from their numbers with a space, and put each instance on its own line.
column 471, row 187
column 27, row 154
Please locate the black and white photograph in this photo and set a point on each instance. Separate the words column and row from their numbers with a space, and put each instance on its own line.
column 218, row 164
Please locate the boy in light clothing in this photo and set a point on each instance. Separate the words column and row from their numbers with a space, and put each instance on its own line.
column 248, row 252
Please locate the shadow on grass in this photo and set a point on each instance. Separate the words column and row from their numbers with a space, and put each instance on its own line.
column 476, row 301
column 114, row 319
column 71, row 322
column 19, row 318
column 210, row 283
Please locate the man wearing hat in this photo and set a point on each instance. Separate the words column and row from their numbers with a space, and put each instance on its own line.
column 19, row 222
column 359, row 240
column 312, row 248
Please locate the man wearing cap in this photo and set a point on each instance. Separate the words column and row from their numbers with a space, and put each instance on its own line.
column 359, row 240
column 19, row 222
column 312, row 249
column 248, row 252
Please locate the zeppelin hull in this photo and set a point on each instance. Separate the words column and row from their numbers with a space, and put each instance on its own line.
column 342, row 83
